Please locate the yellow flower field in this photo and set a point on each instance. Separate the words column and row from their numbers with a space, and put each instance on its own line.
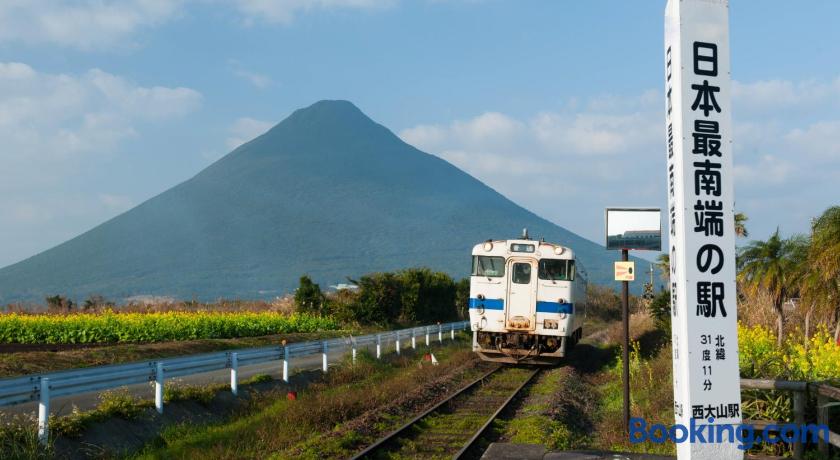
column 112, row 327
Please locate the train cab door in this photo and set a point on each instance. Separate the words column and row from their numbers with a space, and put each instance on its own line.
column 521, row 294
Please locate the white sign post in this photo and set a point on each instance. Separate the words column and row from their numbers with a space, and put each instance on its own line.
column 701, row 226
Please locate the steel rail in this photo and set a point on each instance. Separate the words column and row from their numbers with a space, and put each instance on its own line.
column 478, row 435
column 396, row 433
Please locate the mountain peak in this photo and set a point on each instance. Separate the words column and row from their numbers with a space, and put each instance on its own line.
column 325, row 123
column 331, row 112
column 327, row 192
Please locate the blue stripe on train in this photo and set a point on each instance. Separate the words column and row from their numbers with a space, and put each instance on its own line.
column 488, row 304
column 542, row 306
column 554, row 307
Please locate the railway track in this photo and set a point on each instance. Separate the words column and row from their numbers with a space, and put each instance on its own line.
column 452, row 428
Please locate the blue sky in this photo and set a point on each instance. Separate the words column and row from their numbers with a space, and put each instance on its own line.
column 556, row 104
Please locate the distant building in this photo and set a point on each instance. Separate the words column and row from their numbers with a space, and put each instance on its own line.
column 344, row 286
column 636, row 239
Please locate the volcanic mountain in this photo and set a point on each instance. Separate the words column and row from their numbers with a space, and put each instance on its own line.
column 327, row 192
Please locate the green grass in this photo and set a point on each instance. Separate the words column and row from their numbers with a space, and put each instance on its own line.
column 320, row 423
column 112, row 404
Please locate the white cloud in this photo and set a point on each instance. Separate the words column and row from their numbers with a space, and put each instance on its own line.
column 104, row 24
column 54, row 116
column 773, row 97
column 568, row 164
column 547, row 133
column 284, row 11
column 821, row 139
column 54, row 125
column 258, row 80
column 768, row 170
column 244, row 129
column 84, row 24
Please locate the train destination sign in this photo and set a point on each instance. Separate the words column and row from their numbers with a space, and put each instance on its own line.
column 701, row 223
column 634, row 228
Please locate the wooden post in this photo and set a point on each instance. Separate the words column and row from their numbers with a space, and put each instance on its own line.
column 799, row 398
column 625, row 350
column 822, row 419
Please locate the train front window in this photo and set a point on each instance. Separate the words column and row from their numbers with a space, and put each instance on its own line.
column 556, row 270
column 521, row 273
column 489, row 266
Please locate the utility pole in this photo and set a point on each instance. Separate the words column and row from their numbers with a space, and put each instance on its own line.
column 625, row 352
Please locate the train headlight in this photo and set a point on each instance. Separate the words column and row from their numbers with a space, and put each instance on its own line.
column 561, row 300
column 550, row 324
column 488, row 246
column 559, row 250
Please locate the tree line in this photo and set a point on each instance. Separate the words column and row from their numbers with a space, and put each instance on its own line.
column 414, row 295
column 801, row 271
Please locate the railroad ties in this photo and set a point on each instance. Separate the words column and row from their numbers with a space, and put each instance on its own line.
column 453, row 427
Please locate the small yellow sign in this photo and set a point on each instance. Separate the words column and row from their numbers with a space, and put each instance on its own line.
column 624, row 271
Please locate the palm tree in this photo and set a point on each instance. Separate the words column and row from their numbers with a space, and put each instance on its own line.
column 772, row 266
column 663, row 263
column 824, row 259
column 740, row 228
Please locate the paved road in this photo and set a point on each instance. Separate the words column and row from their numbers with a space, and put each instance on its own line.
column 64, row 405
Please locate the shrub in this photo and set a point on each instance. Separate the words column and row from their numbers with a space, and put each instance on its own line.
column 660, row 310
column 380, row 299
column 407, row 296
column 308, row 296
column 603, row 303
column 462, row 298
column 426, row 296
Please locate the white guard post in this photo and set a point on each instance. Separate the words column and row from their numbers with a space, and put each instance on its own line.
column 324, row 356
column 397, row 343
column 378, row 346
column 234, row 373
column 440, row 333
column 413, row 338
column 285, row 364
column 159, row 387
column 44, row 412
column 427, row 336
column 701, row 224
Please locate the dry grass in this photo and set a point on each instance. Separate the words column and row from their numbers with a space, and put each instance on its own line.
column 330, row 419
column 57, row 358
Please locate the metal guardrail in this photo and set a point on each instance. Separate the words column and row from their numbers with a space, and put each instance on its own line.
column 43, row 387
